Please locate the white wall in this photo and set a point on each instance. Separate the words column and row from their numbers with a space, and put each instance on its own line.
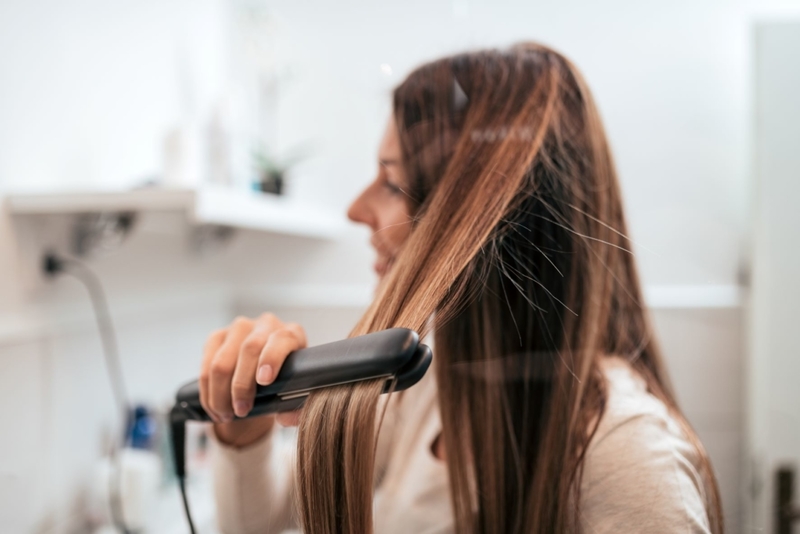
column 90, row 88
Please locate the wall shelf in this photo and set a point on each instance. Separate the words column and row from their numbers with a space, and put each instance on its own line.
column 207, row 205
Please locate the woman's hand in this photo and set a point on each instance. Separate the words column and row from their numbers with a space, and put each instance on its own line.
column 235, row 358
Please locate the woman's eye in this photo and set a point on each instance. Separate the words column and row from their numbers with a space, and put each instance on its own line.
column 394, row 189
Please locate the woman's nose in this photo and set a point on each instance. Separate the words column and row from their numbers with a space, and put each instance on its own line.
column 360, row 212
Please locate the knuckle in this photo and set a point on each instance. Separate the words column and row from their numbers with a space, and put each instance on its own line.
column 297, row 330
column 268, row 317
column 215, row 337
column 252, row 347
column 221, row 369
column 283, row 334
column 241, row 320
column 270, row 321
column 294, row 327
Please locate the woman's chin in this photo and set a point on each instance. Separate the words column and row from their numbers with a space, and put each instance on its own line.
column 381, row 273
column 381, row 268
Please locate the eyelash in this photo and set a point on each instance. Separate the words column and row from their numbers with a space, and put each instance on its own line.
column 392, row 188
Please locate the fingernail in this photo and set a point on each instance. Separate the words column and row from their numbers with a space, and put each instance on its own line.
column 264, row 375
column 226, row 418
column 241, row 408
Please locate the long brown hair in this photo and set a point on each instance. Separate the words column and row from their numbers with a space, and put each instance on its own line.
column 519, row 254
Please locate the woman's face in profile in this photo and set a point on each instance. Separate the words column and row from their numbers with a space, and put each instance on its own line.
column 382, row 205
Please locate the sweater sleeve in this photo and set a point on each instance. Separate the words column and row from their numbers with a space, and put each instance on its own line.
column 641, row 476
column 253, row 485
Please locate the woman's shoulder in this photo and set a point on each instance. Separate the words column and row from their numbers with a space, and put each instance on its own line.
column 640, row 469
column 629, row 403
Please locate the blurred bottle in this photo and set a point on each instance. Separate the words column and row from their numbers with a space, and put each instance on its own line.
column 182, row 155
column 142, row 428
column 132, row 479
column 219, row 145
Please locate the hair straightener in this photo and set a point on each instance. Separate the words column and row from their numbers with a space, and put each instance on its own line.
column 395, row 355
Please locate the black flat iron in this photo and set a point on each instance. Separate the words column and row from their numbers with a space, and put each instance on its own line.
column 395, row 355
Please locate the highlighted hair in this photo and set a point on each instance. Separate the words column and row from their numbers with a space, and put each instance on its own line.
column 519, row 254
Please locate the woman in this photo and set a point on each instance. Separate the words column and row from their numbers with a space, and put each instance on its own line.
column 498, row 223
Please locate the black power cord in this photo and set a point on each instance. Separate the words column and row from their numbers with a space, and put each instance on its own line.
column 177, row 420
column 54, row 265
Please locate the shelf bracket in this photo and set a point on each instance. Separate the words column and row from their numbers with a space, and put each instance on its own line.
column 101, row 232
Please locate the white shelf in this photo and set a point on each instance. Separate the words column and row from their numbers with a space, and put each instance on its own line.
column 206, row 205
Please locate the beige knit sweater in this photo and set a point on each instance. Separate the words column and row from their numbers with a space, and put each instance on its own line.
column 640, row 475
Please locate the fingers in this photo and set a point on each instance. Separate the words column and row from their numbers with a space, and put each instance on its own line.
column 222, row 368
column 243, row 385
column 210, row 349
column 298, row 331
column 238, row 357
column 279, row 345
